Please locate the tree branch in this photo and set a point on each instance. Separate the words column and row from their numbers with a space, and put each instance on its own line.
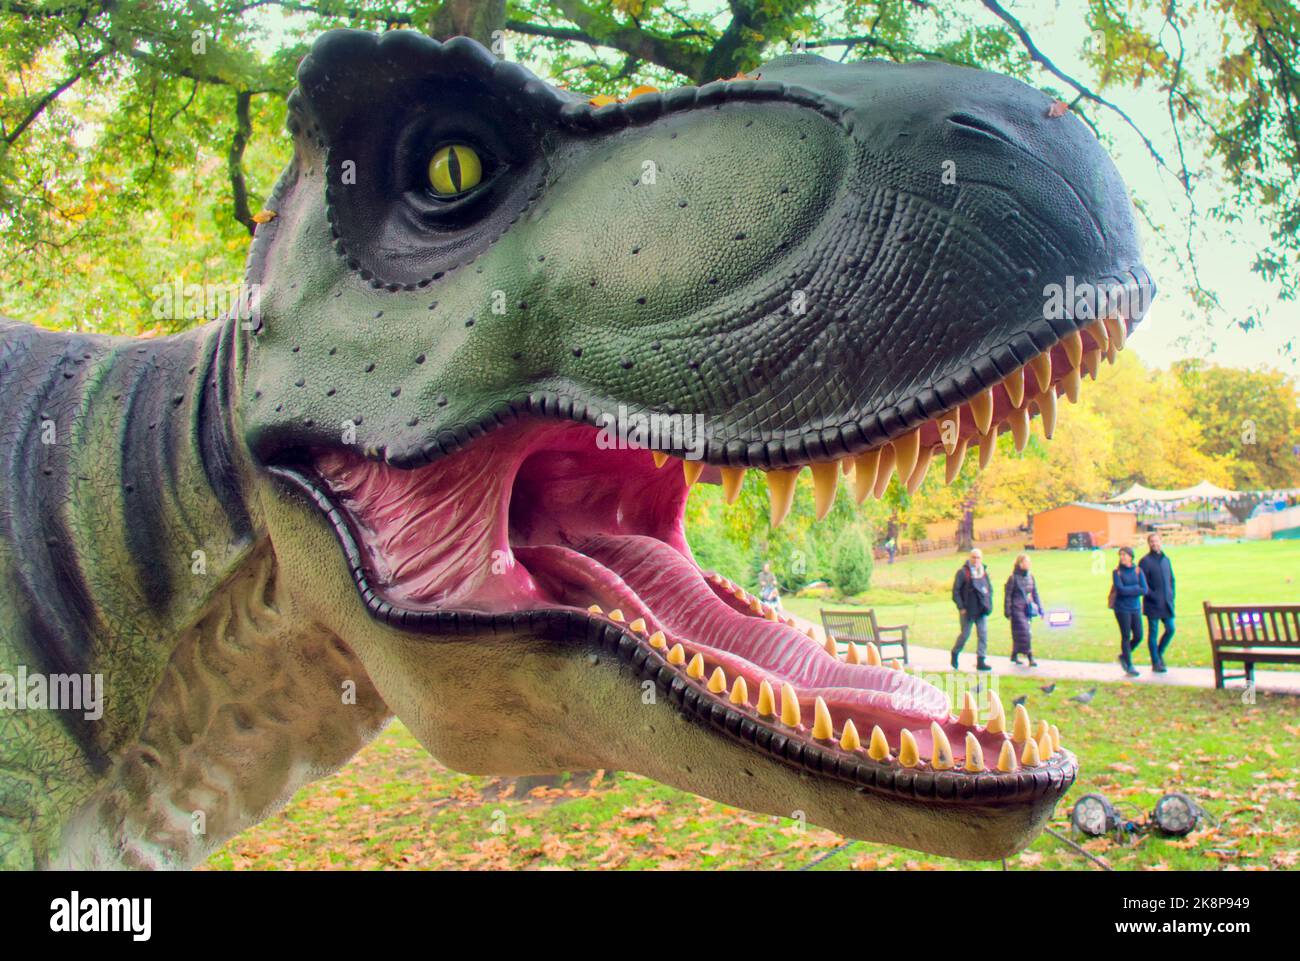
column 48, row 98
column 235, row 160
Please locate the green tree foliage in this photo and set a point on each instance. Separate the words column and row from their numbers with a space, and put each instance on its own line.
column 1250, row 419
column 853, row 564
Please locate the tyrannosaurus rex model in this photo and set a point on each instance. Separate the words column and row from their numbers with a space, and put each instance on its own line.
column 385, row 490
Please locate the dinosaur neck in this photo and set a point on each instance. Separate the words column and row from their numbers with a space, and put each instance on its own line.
column 123, row 504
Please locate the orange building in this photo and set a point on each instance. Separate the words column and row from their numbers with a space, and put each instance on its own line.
column 1107, row 525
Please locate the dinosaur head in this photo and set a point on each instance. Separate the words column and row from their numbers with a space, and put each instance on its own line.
column 503, row 329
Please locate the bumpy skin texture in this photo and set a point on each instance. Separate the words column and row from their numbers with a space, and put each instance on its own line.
column 641, row 254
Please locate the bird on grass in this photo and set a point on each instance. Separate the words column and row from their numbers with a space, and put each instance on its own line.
column 1020, row 700
column 1086, row 697
column 1049, row 688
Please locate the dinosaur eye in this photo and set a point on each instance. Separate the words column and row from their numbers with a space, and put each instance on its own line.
column 454, row 170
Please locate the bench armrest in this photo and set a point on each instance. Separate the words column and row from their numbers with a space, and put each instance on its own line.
column 900, row 629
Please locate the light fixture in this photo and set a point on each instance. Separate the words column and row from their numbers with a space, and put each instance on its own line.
column 1177, row 815
column 1094, row 816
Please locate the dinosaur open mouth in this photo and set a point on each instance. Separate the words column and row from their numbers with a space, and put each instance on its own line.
column 546, row 517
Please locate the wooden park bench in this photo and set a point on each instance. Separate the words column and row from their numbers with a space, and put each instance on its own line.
column 1252, row 634
column 859, row 627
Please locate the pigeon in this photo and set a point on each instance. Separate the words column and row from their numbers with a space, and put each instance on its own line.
column 1049, row 688
column 1020, row 700
column 1086, row 697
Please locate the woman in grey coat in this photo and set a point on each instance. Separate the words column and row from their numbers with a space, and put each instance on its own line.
column 1021, row 604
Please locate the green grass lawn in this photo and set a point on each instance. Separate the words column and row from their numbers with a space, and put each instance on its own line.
column 918, row 592
column 394, row 807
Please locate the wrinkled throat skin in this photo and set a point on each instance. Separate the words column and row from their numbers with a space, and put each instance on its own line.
column 472, row 280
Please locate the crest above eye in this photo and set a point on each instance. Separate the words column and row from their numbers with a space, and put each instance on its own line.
column 455, row 169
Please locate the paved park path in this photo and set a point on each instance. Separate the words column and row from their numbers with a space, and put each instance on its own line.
column 934, row 659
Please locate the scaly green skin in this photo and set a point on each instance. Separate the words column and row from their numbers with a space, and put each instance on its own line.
column 645, row 254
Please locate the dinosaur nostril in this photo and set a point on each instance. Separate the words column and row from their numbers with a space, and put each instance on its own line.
column 976, row 125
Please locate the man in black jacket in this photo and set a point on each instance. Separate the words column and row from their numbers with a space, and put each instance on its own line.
column 1158, row 605
column 972, row 592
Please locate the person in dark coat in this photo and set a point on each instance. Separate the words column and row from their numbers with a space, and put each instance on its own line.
column 1158, row 605
column 1020, row 605
column 972, row 592
column 1128, row 587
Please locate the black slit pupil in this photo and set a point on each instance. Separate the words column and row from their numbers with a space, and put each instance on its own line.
column 453, row 169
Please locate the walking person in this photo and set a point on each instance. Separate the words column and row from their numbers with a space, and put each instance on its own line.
column 1021, row 604
column 767, row 589
column 1158, row 605
column 972, row 592
column 1128, row 585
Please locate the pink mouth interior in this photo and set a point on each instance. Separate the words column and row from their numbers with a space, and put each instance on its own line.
column 537, row 515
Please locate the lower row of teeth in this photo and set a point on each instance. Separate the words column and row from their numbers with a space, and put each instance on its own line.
column 905, row 456
column 1025, row 745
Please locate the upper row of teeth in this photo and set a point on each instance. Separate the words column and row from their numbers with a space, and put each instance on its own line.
column 905, row 456
column 1025, row 745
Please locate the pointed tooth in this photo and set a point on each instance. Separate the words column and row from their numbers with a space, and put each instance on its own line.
column 789, row 706
column 942, row 755
column 769, row 613
column 695, row 669
column 1045, row 746
column 1029, row 757
column 864, row 474
column 1047, row 412
column 1014, row 385
column 1007, row 759
column 921, row 469
column 755, row 606
column 1091, row 362
column 895, row 664
column 988, row 444
column 888, row 456
column 826, row 480
column 1112, row 352
column 638, row 625
column 970, row 712
column 878, row 750
column 949, row 429
column 1020, row 726
column 1072, row 383
column 677, row 654
column 691, row 470
column 974, row 754
column 1117, row 331
column 766, row 700
column 831, row 649
column 780, row 492
column 997, row 723
column 851, row 655
column 981, row 411
column 595, row 609
column 906, row 450
column 849, row 740
column 846, row 466
column 732, row 478
column 873, row 654
column 1041, row 729
column 823, row 727
column 660, row 457
column 908, row 754
column 1019, row 420
column 658, row 641
column 1041, row 365
column 1073, row 347
column 1097, row 331
column 952, row 466
column 1055, row 733
column 739, row 692
column 617, row 615
column 717, row 681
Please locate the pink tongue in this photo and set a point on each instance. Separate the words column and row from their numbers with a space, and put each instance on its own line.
column 679, row 599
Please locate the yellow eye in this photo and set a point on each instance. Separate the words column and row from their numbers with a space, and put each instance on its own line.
column 455, row 169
